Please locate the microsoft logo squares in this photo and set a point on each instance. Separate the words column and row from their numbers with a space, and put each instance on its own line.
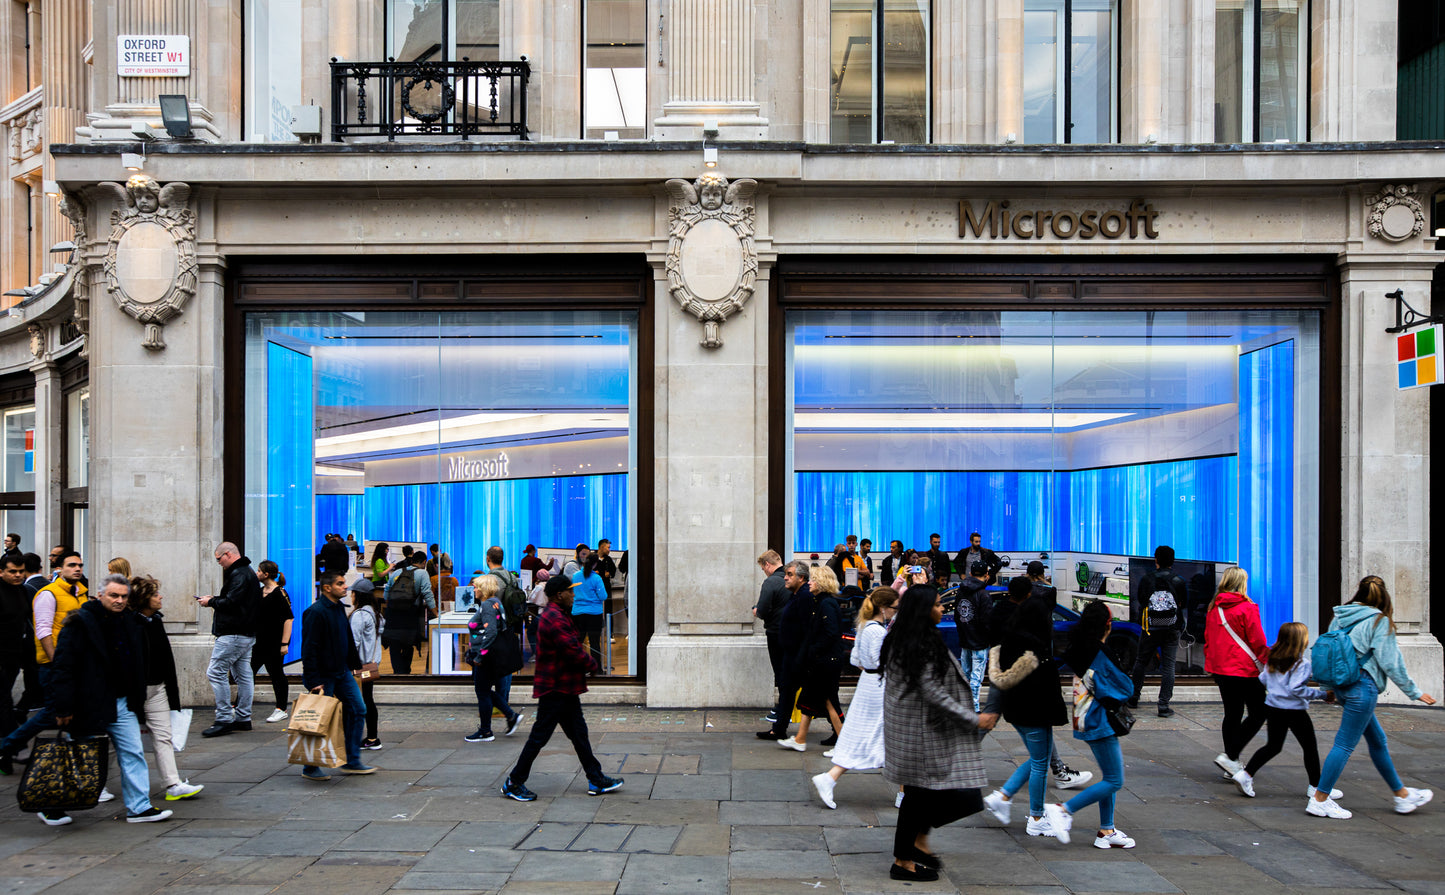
column 1418, row 357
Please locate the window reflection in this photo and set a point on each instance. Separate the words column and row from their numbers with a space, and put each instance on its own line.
column 1081, row 110
column 879, row 71
column 616, row 62
column 1260, row 103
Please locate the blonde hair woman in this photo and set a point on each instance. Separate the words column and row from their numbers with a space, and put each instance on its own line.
column 1234, row 652
column 860, row 745
column 821, row 661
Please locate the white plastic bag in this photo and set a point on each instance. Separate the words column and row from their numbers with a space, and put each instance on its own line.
column 180, row 728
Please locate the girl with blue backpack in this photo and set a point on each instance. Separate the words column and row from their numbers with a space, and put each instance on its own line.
column 1370, row 622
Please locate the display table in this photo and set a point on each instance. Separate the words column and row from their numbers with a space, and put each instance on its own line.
column 449, row 639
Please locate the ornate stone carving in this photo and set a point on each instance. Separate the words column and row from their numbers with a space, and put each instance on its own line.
column 712, row 264
column 25, row 134
column 1395, row 213
column 73, row 207
column 37, row 341
column 150, row 260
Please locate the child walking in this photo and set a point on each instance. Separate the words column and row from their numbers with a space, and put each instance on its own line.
column 1286, row 677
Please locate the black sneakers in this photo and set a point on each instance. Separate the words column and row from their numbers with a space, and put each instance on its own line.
column 518, row 792
column 480, row 736
column 606, row 784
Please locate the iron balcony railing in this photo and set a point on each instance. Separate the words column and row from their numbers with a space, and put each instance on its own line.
column 428, row 98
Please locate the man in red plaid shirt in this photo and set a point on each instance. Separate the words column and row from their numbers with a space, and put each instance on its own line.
column 563, row 664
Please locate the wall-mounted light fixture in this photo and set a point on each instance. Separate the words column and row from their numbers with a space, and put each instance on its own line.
column 176, row 115
column 709, row 156
column 51, row 188
column 133, row 161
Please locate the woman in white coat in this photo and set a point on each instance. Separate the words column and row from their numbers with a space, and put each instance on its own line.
column 860, row 744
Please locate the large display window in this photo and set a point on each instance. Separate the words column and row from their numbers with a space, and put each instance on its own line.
column 463, row 429
column 1079, row 438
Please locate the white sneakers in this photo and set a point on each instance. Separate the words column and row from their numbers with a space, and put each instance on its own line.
column 1327, row 808
column 1412, row 799
column 183, row 790
column 1066, row 777
column 825, row 784
column 1114, row 839
column 790, row 743
column 1246, row 783
column 276, row 715
column 1334, row 793
column 1229, row 766
column 105, row 795
column 1056, row 822
column 998, row 806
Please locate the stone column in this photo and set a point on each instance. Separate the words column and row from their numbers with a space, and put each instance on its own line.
column 711, row 419
column 212, row 87
column 951, row 122
column 155, row 472
column 1354, row 55
column 1009, row 95
column 65, row 29
column 711, row 74
column 1386, row 451
column 1144, row 30
column 49, row 412
column 1195, row 96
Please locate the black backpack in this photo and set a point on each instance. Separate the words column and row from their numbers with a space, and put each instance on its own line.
column 514, row 599
column 402, row 596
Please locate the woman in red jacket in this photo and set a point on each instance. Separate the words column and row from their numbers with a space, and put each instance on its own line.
column 1234, row 650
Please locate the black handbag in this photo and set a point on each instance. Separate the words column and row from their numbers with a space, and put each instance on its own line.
column 1121, row 719
column 505, row 656
column 64, row 774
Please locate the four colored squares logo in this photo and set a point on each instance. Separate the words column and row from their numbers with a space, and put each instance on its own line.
column 1418, row 356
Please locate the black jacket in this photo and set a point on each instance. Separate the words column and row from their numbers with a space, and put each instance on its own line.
column 17, row 634
column 990, row 559
column 942, row 568
column 794, row 622
column 971, row 615
column 100, row 657
column 822, row 645
column 334, row 557
column 238, row 603
column 1036, row 701
column 160, row 661
column 327, row 645
column 891, row 565
column 772, row 597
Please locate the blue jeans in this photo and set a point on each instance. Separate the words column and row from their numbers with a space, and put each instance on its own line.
column 135, row 776
column 353, row 712
column 975, row 664
column 37, row 722
column 1040, row 743
column 231, row 658
column 1358, row 720
column 1111, row 772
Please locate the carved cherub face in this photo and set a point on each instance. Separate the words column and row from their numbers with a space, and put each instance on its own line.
column 711, row 191
column 144, row 193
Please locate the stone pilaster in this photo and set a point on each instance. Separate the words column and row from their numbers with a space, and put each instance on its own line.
column 1353, row 62
column 49, row 412
column 1386, row 453
column 711, row 75
column 65, row 30
column 951, row 121
column 1008, row 33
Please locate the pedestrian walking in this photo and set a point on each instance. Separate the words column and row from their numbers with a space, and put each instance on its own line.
column 772, row 597
column 970, row 619
column 328, row 658
column 487, row 624
column 562, row 666
column 52, row 605
column 1286, row 677
column 1102, row 686
column 366, row 631
column 234, row 627
column 821, row 662
column 860, row 745
column 930, row 733
column 1028, row 677
column 163, row 691
column 1161, row 607
column 794, row 621
column 1234, row 650
column 273, row 635
column 1370, row 620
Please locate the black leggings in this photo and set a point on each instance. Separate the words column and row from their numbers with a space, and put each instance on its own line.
column 927, row 809
column 1240, row 694
column 370, row 702
column 1279, row 722
column 275, row 663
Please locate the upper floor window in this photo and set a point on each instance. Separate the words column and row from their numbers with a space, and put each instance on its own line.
column 273, row 68
column 1260, row 49
column 1071, row 50
column 879, row 86
column 615, row 82
column 442, row 30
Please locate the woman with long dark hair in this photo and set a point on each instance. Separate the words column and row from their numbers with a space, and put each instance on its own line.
column 380, row 565
column 1234, row 652
column 930, row 732
column 1370, row 620
column 366, row 631
column 589, row 598
column 162, row 688
column 273, row 634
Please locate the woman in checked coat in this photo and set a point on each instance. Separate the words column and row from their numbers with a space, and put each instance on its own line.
column 930, row 733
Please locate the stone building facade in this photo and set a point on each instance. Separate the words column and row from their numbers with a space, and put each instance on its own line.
column 707, row 186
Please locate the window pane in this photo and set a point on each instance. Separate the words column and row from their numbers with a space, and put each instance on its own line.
column 1281, row 42
column 1092, row 73
column 616, row 78
column 476, row 27
column 273, row 68
column 905, row 71
column 851, row 77
column 22, row 522
column 20, row 449
column 1042, row 26
column 1233, row 62
column 415, row 30
column 77, row 439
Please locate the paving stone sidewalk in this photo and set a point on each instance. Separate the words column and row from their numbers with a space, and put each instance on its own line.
column 709, row 808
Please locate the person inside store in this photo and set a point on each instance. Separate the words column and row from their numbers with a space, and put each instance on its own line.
column 892, row 563
column 976, row 552
column 589, row 601
column 938, row 562
column 409, row 603
column 381, row 566
column 579, row 556
column 444, row 583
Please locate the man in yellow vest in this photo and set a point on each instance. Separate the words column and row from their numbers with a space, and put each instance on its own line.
column 51, row 605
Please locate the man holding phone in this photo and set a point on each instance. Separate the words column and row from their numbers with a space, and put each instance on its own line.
column 234, row 627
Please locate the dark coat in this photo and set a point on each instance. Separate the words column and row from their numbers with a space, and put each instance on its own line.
column 91, row 670
column 1037, row 700
column 334, row 557
column 794, row 623
column 328, row 648
column 772, row 597
column 17, row 636
column 160, row 661
column 971, row 615
column 238, row 603
column 990, row 559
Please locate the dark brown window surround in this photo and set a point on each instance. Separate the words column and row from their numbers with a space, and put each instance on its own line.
column 1121, row 283
column 439, row 283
